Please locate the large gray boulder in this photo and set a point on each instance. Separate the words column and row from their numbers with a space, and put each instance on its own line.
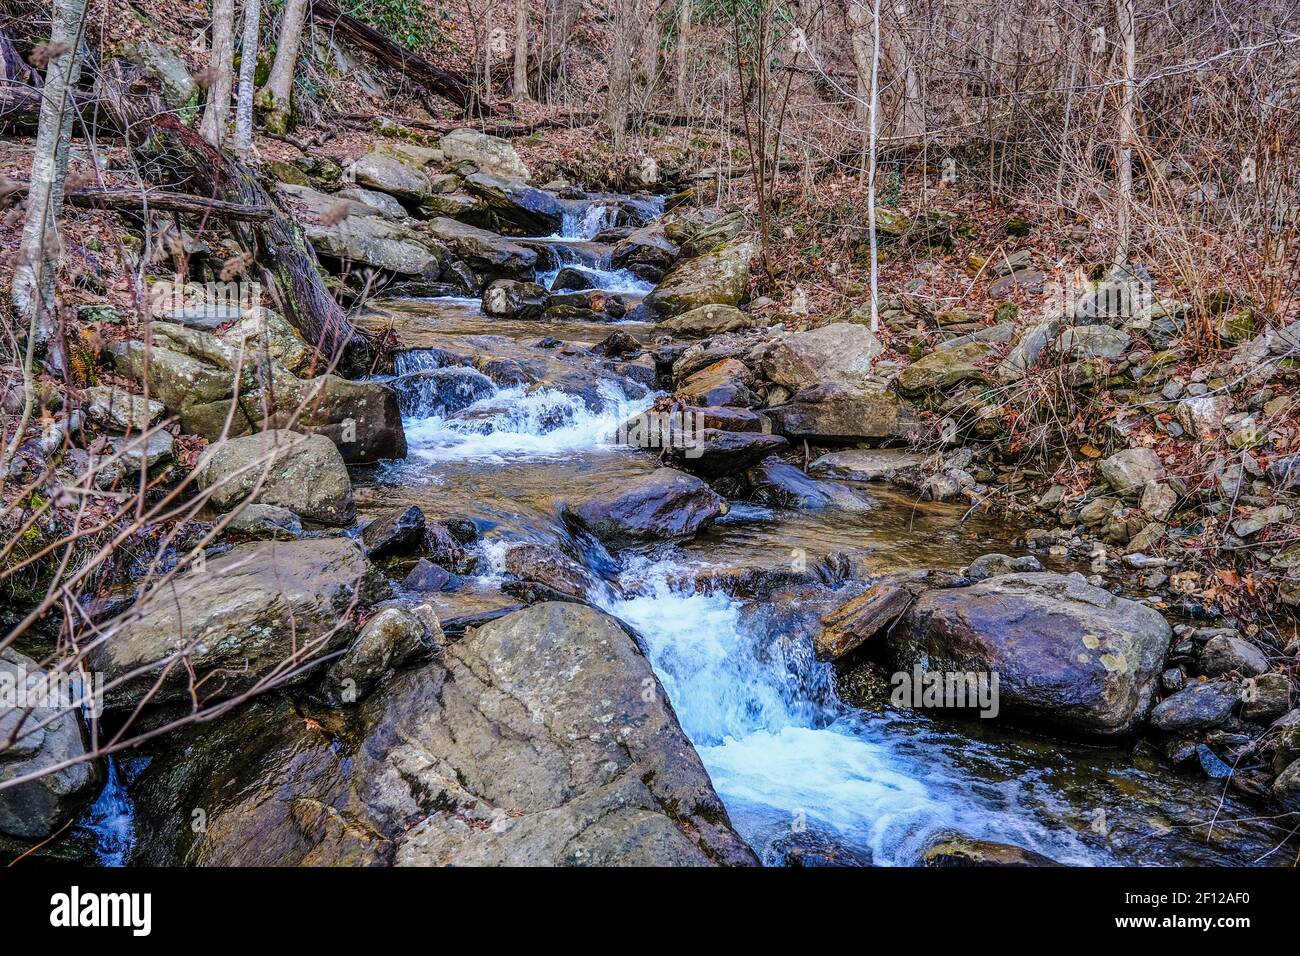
column 36, row 809
column 838, row 354
column 531, row 742
column 199, row 377
column 303, row 473
column 1069, row 655
column 835, row 413
column 660, row 504
column 252, row 617
column 1129, row 471
column 354, row 232
column 392, row 173
column 716, row 278
column 944, row 368
column 487, row 154
column 514, row 207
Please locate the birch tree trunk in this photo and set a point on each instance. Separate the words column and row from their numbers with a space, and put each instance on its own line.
column 520, row 90
column 871, row 167
column 683, row 42
column 216, row 115
column 37, row 262
column 247, row 70
column 487, row 55
column 278, row 93
column 1127, row 130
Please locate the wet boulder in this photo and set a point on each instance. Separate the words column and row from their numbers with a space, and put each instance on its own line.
column 515, row 208
column 38, row 808
column 257, row 522
column 303, row 473
column 489, row 255
column 510, row 299
column 660, row 504
column 838, row 354
column 1225, row 654
column 1201, row 705
column 956, row 850
column 259, row 612
column 401, row 531
column 487, row 154
column 781, row 485
column 571, row 279
column 716, row 278
column 1067, row 654
column 835, row 413
column 542, row 564
column 645, row 252
column 713, row 453
column 860, row 618
column 585, row 305
column 530, row 742
column 391, row 638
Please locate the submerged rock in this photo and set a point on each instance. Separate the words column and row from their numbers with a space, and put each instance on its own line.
column 773, row 482
column 1067, row 654
column 661, row 504
column 531, row 741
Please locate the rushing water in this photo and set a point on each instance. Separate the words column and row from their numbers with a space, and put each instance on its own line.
column 110, row 819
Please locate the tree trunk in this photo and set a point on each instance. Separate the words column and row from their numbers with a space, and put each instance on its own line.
column 37, row 261
column 487, row 56
column 871, row 164
column 911, row 120
column 519, row 90
column 278, row 93
column 683, row 42
column 247, row 70
column 619, row 95
column 216, row 115
column 1127, row 131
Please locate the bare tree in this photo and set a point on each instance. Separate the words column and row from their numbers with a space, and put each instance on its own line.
column 277, row 96
column 520, row 85
column 37, row 263
column 1127, row 129
column 247, row 71
column 683, row 44
column 216, row 115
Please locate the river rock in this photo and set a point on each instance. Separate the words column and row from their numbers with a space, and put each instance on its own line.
column 386, row 204
column 710, row 320
column 1261, row 519
column 353, row 232
column 390, row 172
column 645, row 252
column 261, row 608
column 988, row 565
column 36, row 809
column 944, row 368
column 833, row 413
column 262, row 332
column 1067, row 654
column 1266, row 697
column 400, row 531
column 865, row 464
column 304, row 474
column 390, row 639
column 775, row 483
column 488, row 154
column 193, row 373
column 542, row 564
column 962, row 851
column 532, row 741
column 716, row 278
column 514, row 207
column 260, row 522
column 663, row 503
column 717, row 453
column 510, row 299
column 119, row 410
column 1129, row 471
column 723, row 383
column 838, row 354
column 1224, row 654
column 1200, row 705
column 1093, row 341
column 489, row 256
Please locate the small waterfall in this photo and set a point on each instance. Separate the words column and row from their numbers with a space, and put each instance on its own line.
column 111, row 819
column 784, row 752
column 590, row 222
column 426, row 386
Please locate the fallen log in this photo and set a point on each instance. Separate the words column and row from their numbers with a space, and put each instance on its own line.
column 452, row 87
column 135, row 200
